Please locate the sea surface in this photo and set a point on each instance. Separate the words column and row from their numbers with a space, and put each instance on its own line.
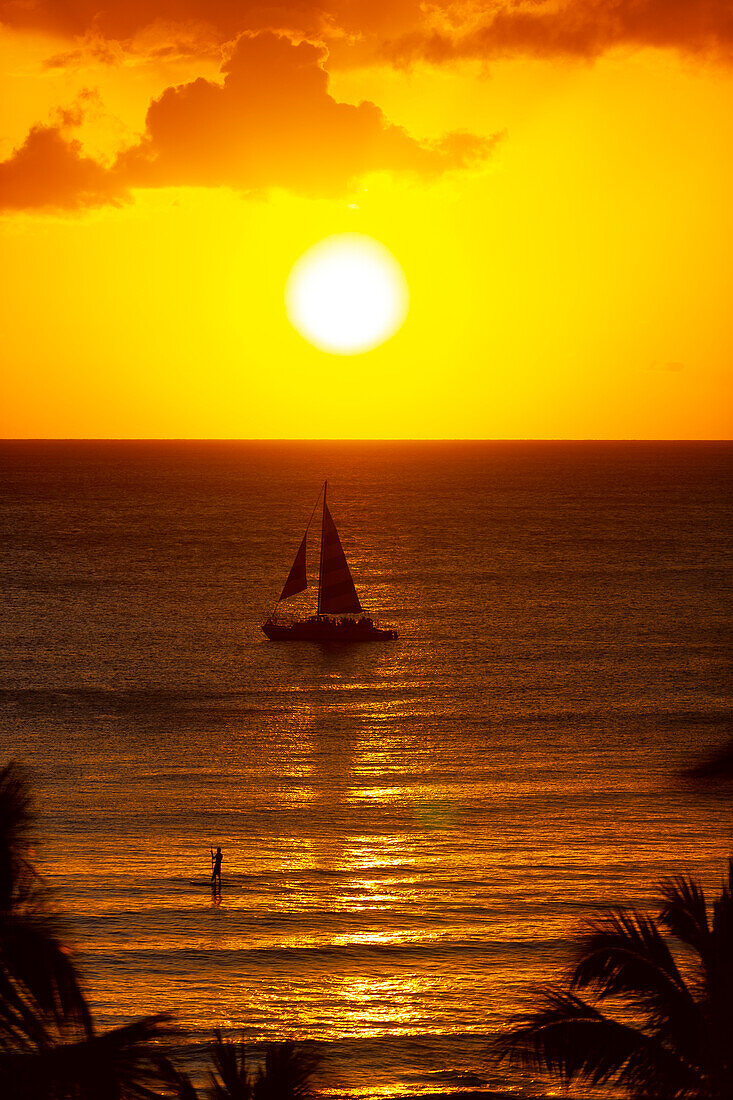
column 412, row 831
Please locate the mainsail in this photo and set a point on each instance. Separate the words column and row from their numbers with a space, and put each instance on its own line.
column 297, row 580
column 336, row 592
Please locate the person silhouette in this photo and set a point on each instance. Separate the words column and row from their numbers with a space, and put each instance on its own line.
column 216, row 869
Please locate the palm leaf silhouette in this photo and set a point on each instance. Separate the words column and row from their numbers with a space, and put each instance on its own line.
column 230, row 1079
column 286, row 1073
column 48, row 1044
column 668, row 982
column 121, row 1064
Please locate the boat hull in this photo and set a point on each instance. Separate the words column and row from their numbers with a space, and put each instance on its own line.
column 327, row 632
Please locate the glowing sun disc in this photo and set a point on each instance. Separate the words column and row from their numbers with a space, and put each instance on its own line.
column 346, row 294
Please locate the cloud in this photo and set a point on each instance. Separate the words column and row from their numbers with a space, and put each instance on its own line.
column 404, row 30
column 124, row 21
column 49, row 171
column 668, row 368
column 271, row 122
column 157, row 42
column 90, row 51
column 572, row 28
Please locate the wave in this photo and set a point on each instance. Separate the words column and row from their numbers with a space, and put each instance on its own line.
column 221, row 957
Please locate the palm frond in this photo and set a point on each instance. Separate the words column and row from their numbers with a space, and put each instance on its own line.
column 719, row 990
column 179, row 1083
column 122, row 1064
column 41, row 1001
column 574, row 1042
column 36, row 963
column 673, row 1035
column 287, row 1073
column 128, row 1057
column 230, row 1063
column 48, row 1047
column 624, row 954
column 16, row 822
column 722, row 925
column 684, row 913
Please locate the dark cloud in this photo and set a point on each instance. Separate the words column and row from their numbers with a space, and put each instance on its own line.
column 271, row 122
column 123, row 19
column 574, row 28
column 403, row 30
column 49, row 171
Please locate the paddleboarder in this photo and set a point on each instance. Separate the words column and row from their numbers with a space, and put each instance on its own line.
column 216, row 868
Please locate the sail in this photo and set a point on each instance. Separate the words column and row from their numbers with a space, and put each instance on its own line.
column 297, row 580
column 337, row 594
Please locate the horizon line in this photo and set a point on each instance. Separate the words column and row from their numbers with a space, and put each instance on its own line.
column 363, row 439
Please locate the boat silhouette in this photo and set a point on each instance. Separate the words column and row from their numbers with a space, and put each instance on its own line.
column 339, row 616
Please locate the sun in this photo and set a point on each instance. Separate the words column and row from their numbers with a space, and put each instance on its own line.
column 346, row 294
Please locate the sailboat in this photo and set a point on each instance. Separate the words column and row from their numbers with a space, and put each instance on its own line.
column 339, row 616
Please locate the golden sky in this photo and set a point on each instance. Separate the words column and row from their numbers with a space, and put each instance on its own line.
column 553, row 176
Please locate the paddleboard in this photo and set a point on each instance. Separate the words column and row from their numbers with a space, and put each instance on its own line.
column 207, row 882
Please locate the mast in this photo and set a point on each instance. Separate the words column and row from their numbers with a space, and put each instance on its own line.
column 320, row 566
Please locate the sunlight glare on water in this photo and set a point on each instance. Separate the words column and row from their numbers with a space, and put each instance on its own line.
column 411, row 831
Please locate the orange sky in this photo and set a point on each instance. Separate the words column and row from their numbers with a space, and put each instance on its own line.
column 554, row 177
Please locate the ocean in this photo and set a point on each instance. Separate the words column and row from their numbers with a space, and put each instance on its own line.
column 412, row 830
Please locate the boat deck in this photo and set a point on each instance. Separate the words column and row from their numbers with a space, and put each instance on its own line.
column 326, row 630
